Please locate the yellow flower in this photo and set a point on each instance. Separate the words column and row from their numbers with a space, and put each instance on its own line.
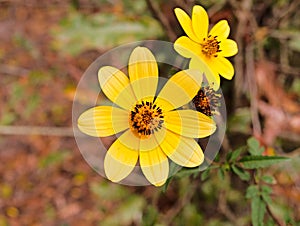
column 211, row 47
column 152, row 129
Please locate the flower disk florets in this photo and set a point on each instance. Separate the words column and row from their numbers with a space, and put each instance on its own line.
column 145, row 119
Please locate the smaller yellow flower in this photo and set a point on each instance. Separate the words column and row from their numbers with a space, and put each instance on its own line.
column 211, row 47
column 152, row 127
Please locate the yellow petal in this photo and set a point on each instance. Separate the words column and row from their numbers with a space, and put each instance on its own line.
column 200, row 22
column 228, row 48
column 143, row 72
column 189, row 123
column 186, row 23
column 130, row 140
column 103, row 121
column 187, row 47
column 155, row 166
column 224, row 67
column 221, row 30
column 183, row 151
column 212, row 77
column 115, row 85
column 119, row 161
column 179, row 90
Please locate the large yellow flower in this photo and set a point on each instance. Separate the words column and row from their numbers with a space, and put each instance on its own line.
column 211, row 47
column 152, row 129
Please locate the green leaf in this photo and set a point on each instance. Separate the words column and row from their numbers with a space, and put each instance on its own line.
column 233, row 155
column 258, row 210
column 174, row 169
column 265, row 192
column 254, row 162
column 268, row 179
column 205, row 174
column 270, row 222
column 150, row 215
column 187, row 172
column 165, row 186
column 106, row 30
column 244, row 175
column 254, row 146
column 252, row 191
column 221, row 173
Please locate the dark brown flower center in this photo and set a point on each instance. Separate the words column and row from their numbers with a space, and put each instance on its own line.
column 145, row 119
column 211, row 46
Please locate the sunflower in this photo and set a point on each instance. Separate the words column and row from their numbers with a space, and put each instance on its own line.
column 150, row 127
column 201, row 46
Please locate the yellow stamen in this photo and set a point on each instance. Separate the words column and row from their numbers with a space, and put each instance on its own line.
column 145, row 119
column 211, row 46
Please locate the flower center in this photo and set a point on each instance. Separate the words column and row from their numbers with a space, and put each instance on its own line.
column 207, row 101
column 145, row 119
column 211, row 46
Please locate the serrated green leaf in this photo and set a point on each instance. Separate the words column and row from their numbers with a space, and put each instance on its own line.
column 254, row 146
column 244, row 175
column 254, row 162
column 233, row 155
column 268, row 179
column 252, row 191
column 258, row 210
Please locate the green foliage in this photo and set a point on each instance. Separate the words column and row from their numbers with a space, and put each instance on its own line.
column 107, row 191
column 127, row 212
column 258, row 210
column 54, row 158
column 232, row 156
column 128, row 209
column 241, row 121
column 8, row 118
column 205, row 174
column 150, row 216
column 255, row 162
column 243, row 175
column 268, row 179
column 77, row 32
column 247, row 162
column 254, row 147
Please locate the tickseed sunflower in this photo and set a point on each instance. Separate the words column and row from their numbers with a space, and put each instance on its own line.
column 212, row 48
column 152, row 128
